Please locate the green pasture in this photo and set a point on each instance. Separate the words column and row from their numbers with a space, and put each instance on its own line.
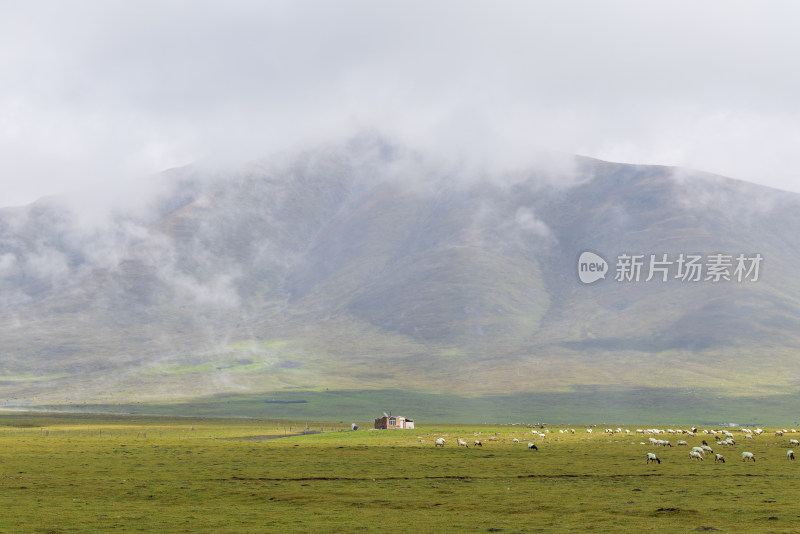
column 89, row 473
column 586, row 405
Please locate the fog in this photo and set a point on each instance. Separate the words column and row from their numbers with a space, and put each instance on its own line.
column 96, row 95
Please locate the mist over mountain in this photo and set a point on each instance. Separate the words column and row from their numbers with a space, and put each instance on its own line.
column 368, row 265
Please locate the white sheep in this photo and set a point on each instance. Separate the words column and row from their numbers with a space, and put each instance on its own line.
column 794, row 442
column 790, row 454
column 748, row 456
column 532, row 447
column 652, row 458
column 439, row 442
column 515, row 440
column 478, row 443
column 695, row 455
column 719, row 458
column 462, row 443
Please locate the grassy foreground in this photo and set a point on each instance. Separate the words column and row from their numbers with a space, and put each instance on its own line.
column 67, row 473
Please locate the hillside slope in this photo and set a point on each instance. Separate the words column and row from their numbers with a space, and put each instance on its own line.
column 370, row 266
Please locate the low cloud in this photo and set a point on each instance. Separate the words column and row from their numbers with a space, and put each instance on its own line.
column 528, row 223
column 99, row 94
column 735, row 199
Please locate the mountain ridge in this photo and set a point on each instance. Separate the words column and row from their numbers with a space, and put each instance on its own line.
column 371, row 266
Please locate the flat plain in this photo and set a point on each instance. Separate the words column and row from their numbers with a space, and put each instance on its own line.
column 92, row 473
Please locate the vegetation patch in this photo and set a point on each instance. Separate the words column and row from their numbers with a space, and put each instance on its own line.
column 98, row 473
column 586, row 405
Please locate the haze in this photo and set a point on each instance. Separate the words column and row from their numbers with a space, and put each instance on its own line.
column 95, row 95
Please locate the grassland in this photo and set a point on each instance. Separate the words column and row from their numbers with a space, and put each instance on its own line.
column 88, row 473
column 587, row 405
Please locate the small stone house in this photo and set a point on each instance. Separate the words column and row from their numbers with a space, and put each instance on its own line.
column 393, row 422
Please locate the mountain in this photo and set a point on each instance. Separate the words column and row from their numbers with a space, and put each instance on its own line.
column 368, row 266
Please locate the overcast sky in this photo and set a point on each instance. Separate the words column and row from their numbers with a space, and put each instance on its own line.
column 104, row 92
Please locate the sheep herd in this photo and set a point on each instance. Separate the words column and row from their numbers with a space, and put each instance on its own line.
column 656, row 438
column 722, row 438
column 440, row 442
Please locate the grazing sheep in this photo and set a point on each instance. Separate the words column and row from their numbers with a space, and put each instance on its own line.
column 652, row 458
column 660, row 442
column 719, row 458
column 748, row 456
column 478, row 443
column 790, row 454
column 682, row 443
column 794, row 442
column 532, row 447
column 462, row 443
column 699, row 450
column 706, row 448
column 515, row 440
column 439, row 442
column 695, row 455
